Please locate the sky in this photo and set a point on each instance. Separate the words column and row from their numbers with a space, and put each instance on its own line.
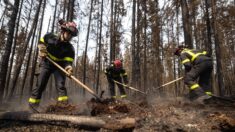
column 83, row 23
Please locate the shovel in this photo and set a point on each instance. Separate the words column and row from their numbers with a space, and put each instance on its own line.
column 169, row 83
column 129, row 87
column 75, row 79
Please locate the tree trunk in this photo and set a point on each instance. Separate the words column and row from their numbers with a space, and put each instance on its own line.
column 133, row 45
column 6, row 54
column 48, row 27
column 100, row 47
column 2, row 37
column 54, row 16
column 34, row 28
column 13, row 50
column 193, row 20
column 112, row 47
column 220, row 75
column 208, row 27
column 156, row 43
column 20, row 57
column 19, row 64
column 36, row 52
column 137, row 55
column 96, row 55
column 87, row 38
column 70, row 15
column 186, row 24
column 145, row 71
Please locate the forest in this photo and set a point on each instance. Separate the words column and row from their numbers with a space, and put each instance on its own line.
column 144, row 34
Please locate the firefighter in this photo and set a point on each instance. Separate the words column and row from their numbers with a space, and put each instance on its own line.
column 116, row 72
column 59, row 49
column 197, row 64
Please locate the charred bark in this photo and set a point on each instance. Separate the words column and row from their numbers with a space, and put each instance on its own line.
column 9, row 42
column 186, row 24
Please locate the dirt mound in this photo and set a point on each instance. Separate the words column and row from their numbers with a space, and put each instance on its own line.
column 107, row 106
column 65, row 109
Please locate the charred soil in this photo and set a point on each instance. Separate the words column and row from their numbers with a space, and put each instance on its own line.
column 174, row 114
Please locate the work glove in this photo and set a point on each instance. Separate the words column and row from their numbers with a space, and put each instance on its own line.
column 69, row 70
column 42, row 50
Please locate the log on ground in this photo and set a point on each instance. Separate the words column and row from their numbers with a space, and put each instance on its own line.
column 87, row 121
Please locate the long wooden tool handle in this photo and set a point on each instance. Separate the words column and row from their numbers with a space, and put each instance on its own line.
column 73, row 78
column 170, row 82
column 129, row 87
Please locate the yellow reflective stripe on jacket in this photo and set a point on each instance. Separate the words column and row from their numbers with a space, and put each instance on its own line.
column 68, row 59
column 194, row 56
column 32, row 100
column 41, row 40
column 184, row 61
column 62, row 98
column 209, row 93
column 195, row 86
column 57, row 59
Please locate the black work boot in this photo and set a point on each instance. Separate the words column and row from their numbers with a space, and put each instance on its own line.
column 198, row 95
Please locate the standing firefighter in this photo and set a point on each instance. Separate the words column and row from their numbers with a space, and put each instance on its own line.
column 59, row 49
column 197, row 63
column 115, row 72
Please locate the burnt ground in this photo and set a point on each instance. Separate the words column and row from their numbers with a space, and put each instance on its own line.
column 158, row 114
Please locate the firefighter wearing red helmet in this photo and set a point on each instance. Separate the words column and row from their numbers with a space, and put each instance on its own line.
column 58, row 48
column 197, row 64
column 116, row 72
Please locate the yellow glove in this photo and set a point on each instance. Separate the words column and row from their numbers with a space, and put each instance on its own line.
column 69, row 69
column 42, row 50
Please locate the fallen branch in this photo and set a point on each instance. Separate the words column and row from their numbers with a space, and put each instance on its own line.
column 76, row 120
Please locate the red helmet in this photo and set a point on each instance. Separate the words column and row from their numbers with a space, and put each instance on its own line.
column 117, row 64
column 69, row 26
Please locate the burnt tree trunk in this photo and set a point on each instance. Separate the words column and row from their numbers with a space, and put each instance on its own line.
column 208, row 27
column 34, row 63
column 13, row 50
column 70, row 15
column 34, row 28
column 186, row 24
column 133, row 44
column 6, row 54
column 54, row 16
column 137, row 54
column 100, row 47
column 145, row 71
column 220, row 75
column 86, row 47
